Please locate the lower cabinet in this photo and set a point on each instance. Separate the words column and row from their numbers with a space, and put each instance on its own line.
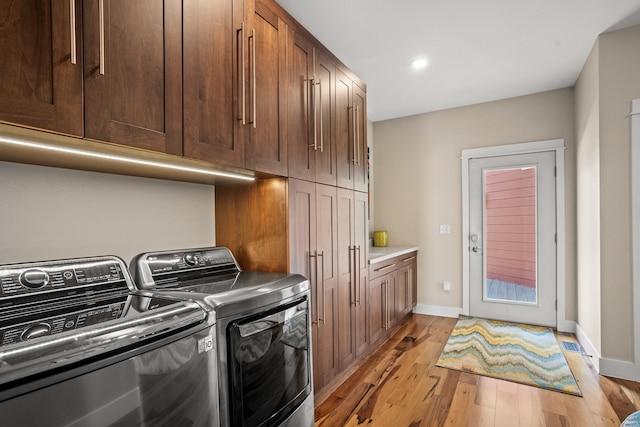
column 392, row 294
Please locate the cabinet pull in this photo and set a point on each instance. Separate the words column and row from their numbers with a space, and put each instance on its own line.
column 357, row 136
column 353, row 124
column 411, row 258
column 243, row 83
column 101, row 23
column 253, row 79
column 72, row 34
column 321, row 119
column 352, row 263
column 316, row 319
column 359, row 290
column 324, row 313
column 314, row 109
column 386, row 311
column 384, row 268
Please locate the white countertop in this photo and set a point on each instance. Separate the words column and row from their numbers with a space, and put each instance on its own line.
column 383, row 253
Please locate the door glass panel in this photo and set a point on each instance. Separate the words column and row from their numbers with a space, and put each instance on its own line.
column 510, row 238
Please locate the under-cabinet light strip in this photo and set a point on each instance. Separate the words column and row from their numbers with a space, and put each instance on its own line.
column 38, row 145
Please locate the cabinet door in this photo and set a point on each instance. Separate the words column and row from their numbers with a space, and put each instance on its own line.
column 265, row 112
column 361, row 163
column 344, row 135
column 301, row 109
column 347, row 278
column 40, row 86
column 323, row 118
column 377, row 303
column 302, row 252
column 403, row 296
column 211, row 85
column 133, row 73
column 326, row 235
column 361, row 237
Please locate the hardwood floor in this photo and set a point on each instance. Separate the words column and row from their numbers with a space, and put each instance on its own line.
column 399, row 385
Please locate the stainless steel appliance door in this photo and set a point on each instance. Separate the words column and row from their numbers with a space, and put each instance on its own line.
column 171, row 382
column 269, row 365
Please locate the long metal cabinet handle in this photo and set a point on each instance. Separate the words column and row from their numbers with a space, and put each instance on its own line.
column 386, row 305
column 254, row 79
column 101, row 23
column 384, row 268
column 409, row 259
column 314, row 112
column 353, row 123
column 357, row 131
column 72, row 34
column 324, row 313
column 316, row 319
column 358, row 281
column 321, row 119
column 352, row 263
column 243, row 84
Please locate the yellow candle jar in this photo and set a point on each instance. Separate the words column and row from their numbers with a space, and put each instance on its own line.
column 380, row 238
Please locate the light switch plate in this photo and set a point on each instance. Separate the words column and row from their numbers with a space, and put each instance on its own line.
column 445, row 229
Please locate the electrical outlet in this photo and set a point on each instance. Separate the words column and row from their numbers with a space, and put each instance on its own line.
column 446, row 286
column 445, row 229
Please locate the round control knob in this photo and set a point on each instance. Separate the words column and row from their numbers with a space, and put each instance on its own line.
column 35, row 331
column 191, row 259
column 34, row 278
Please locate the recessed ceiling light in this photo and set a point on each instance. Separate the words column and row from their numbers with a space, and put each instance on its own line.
column 419, row 63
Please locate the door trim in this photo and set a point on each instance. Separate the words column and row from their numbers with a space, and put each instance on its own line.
column 556, row 145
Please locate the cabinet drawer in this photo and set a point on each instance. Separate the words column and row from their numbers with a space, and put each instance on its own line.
column 392, row 264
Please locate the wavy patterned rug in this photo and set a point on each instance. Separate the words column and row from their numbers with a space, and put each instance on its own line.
column 509, row 351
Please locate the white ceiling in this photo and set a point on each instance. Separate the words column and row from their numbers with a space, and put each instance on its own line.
column 478, row 50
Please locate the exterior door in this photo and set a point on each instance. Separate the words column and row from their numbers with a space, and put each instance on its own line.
column 512, row 238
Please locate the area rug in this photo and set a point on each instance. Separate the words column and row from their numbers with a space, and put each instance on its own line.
column 509, row 351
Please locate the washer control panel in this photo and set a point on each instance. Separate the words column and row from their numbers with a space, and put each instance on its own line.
column 67, row 276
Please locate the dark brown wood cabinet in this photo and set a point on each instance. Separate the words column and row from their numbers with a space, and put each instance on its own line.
column 262, row 86
column 313, row 236
column 213, row 81
column 133, row 73
column 392, row 293
column 41, row 65
column 353, row 334
column 311, row 112
column 351, row 134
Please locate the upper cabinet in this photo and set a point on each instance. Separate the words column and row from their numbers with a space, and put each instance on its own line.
column 133, row 73
column 263, row 111
column 41, row 65
column 351, row 134
column 311, row 112
column 236, row 83
column 213, row 81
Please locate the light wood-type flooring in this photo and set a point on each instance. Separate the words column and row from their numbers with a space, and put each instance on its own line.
column 399, row 385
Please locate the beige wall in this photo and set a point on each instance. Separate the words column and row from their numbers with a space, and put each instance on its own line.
column 418, row 179
column 619, row 72
column 51, row 213
column 588, row 199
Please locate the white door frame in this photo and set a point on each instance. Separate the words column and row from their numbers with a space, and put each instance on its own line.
column 556, row 145
column 635, row 231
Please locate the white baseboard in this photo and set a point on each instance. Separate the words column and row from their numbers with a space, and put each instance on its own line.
column 568, row 326
column 618, row 369
column 438, row 310
column 588, row 346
